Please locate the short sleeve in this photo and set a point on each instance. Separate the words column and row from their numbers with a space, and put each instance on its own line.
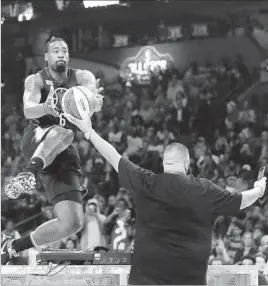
column 224, row 202
column 132, row 177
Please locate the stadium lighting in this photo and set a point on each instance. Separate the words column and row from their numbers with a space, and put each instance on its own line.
column 92, row 3
column 2, row 20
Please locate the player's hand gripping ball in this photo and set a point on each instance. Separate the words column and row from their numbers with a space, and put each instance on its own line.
column 81, row 102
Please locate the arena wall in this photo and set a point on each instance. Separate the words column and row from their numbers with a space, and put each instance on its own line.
column 113, row 275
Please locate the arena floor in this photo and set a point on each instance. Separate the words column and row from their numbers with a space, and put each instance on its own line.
column 112, row 275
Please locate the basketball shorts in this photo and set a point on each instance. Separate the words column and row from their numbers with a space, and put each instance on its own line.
column 62, row 178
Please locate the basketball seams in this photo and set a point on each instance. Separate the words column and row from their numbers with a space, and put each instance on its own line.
column 73, row 110
column 85, row 96
column 74, row 102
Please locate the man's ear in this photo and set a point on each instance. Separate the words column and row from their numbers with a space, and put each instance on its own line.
column 46, row 57
column 186, row 166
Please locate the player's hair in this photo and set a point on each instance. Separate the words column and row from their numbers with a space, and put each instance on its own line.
column 53, row 40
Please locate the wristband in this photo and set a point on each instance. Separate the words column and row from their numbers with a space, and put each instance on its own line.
column 88, row 134
column 262, row 191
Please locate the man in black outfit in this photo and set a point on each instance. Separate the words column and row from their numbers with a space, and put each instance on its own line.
column 175, row 214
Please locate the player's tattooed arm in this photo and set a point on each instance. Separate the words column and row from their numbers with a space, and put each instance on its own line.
column 32, row 96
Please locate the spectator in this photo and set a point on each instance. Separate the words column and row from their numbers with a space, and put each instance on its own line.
column 264, row 244
column 219, row 252
column 70, row 244
column 261, row 261
column 221, row 182
column 10, row 230
column 248, row 260
column 257, row 234
column 246, row 114
column 234, row 238
column 117, row 136
column 119, row 223
column 134, row 143
column 92, row 232
column 248, row 247
column 101, row 202
column 174, row 87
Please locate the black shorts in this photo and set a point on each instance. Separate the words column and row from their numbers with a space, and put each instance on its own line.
column 63, row 175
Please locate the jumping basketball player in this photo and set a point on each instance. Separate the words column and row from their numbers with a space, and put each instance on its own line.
column 47, row 145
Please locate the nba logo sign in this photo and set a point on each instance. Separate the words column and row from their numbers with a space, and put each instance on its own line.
column 141, row 66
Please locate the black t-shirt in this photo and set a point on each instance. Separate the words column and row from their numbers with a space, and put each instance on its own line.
column 175, row 214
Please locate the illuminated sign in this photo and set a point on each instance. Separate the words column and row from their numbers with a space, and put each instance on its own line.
column 140, row 67
column 200, row 30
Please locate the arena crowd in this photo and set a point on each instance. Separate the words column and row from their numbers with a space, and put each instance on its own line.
column 228, row 142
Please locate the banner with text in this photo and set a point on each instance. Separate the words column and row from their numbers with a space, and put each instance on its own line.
column 199, row 30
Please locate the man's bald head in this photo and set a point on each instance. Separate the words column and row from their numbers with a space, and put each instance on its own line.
column 176, row 158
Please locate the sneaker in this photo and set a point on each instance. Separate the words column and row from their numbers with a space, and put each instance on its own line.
column 7, row 252
column 23, row 183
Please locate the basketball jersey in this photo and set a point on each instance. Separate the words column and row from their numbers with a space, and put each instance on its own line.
column 119, row 237
column 59, row 88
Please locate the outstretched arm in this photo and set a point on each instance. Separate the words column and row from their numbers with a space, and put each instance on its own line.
column 105, row 148
column 131, row 176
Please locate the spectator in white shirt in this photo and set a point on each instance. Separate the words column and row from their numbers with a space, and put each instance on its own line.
column 134, row 143
column 92, row 232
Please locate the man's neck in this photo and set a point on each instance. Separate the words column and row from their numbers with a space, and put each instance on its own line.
column 174, row 169
column 59, row 77
column 175, row 172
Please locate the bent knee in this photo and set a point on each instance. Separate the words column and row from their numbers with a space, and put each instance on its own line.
column 64, row 134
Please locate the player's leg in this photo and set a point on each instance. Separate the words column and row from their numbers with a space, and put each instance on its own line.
column 47, row 145
column 69, row 221
column 57, row 140
column 61, row 181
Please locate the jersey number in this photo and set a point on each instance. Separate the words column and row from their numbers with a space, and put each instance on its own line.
column 62, row 120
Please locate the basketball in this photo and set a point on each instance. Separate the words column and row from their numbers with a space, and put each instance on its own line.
column 78, row 101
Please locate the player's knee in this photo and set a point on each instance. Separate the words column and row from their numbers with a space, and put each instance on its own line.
column 64, row 134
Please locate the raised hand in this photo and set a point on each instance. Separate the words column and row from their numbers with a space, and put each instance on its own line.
column 83, row 124
column 262, row 184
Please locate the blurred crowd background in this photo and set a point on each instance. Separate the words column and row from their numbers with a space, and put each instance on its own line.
column 212, row 108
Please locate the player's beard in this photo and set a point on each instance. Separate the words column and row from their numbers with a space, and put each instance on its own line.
column 61, row 67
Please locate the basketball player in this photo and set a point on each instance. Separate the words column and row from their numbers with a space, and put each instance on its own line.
column 175, row 214
column 47, row 145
